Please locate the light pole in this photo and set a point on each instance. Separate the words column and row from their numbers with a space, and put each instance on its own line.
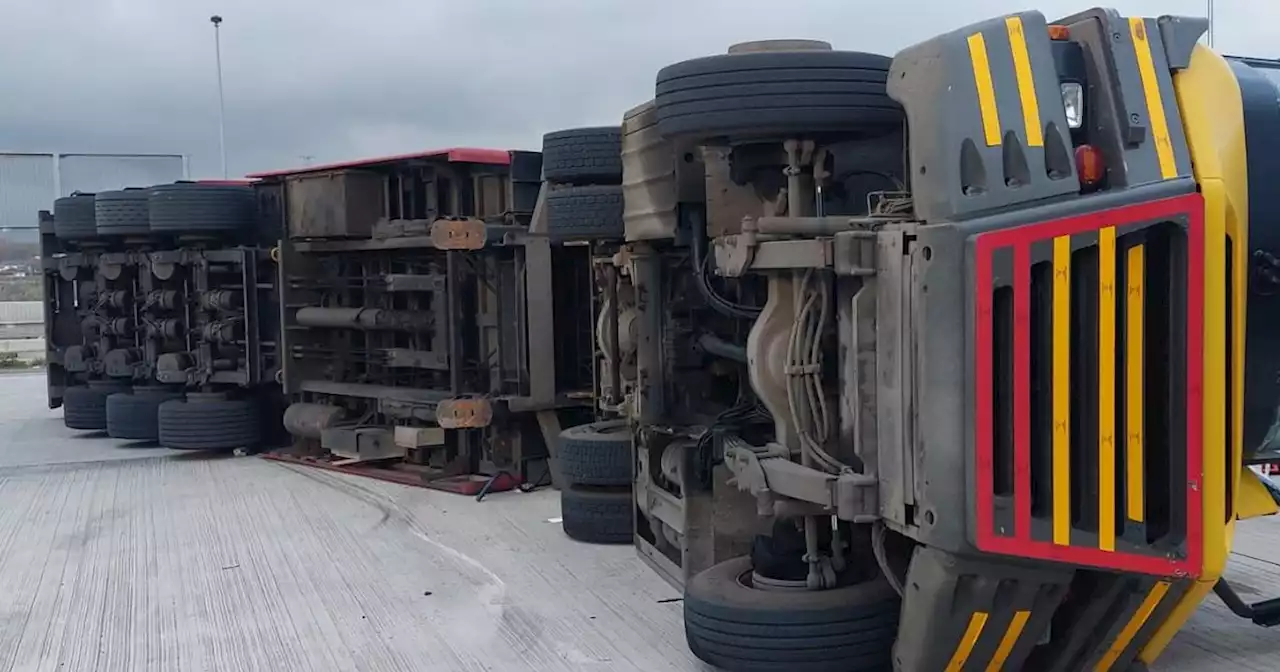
column 1210, row 35
column 222, row 106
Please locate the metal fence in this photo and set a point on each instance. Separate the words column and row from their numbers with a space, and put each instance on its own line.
column 30, row 182
column 22, row 330
column 21, row 313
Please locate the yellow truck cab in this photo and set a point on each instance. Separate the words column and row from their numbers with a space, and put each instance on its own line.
column 1009, row 343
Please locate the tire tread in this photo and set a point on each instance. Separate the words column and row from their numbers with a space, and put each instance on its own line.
column 208, row 424
column 776, row 93
column 585, row 213
column 122, row 212
column 74, row 218
column 134, row 416
column 187, row 207
column 597, row 515
column 850, row 628
column 583, row 156
column 596, row 454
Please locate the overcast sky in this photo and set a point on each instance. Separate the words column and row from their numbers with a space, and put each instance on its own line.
column 344, row 79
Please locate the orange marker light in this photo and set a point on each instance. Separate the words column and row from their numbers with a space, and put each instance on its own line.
column 1089, row 165
column 1059, row 33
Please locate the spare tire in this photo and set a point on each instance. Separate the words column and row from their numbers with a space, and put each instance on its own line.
column 583, row 155
column 597, row 515
column 585, row 213
column 74, row 217
column 738, row 628
column 191, row 207
column 776, row 94
column 122, row 213
column 596, row 454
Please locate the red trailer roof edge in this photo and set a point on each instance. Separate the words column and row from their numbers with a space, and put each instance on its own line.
column 497, row 157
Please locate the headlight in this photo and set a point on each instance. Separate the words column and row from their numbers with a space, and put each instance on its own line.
column 1073, row 103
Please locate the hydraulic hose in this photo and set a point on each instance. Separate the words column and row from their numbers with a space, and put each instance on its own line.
column 718, row 347
column 702, row 266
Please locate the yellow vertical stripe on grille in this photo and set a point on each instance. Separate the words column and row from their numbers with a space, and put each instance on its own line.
column 986, row 89
column 1155, row 102
column 968, row 641
column 1062, row 390
column 1026, row 81
column 1106, row 389
column 1008, row 641
column 1131, row 628
column 1133, row 338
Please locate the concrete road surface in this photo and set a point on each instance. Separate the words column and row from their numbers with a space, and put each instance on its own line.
column 118, row 557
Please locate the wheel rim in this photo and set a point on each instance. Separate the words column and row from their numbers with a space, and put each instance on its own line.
column 753, row 581
column 154, row 391
column 203, row 397
column 758, row 46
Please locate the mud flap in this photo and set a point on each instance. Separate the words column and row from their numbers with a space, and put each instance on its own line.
column 1255, row 497
column 988, row 615
column 983, row 614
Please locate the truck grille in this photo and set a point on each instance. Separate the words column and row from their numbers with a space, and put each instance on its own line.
column 1088, row 397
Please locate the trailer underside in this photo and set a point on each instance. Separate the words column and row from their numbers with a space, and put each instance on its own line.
column 131, row 558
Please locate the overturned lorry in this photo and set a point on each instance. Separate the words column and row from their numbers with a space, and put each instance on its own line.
column 937, row 362
column 428, row 335
column 161, row 314
column 933, row 362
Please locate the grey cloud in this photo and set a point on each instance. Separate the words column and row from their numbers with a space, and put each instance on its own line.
column 339, row 80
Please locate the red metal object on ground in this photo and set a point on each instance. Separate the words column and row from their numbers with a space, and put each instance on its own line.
column 467, row 484
column 473, row 484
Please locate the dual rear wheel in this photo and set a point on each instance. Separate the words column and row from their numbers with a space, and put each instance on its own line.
column 180, row 208
column 194, row 421
column 596, row 505
column 584, row 165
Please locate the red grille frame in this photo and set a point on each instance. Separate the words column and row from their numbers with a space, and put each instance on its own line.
column 1189, row 208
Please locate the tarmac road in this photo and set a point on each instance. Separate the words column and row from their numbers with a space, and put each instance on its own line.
column 120, row 557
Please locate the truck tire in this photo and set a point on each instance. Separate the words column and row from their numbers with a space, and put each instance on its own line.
column 84, row 407
column 585, row 213
column 738, row 628
column 134, row 416
column 190, row 207
column 73, row 217
column 597, row 515
column 776, row 94
column 583, row 155
column 122, row 213
column 596, row 454
column 205, row 422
